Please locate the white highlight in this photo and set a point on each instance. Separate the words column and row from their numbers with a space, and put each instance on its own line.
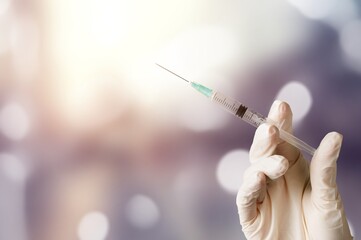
column 314, row 9
column 345, row 12
column 14, row 121
column 352, row 231
column 13, row 167
column 230, row 170
column 109, row 21
column 142, row 212
column 298, row 97
column 93, row 226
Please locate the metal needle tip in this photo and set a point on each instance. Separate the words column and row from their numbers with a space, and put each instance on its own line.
column 172, row 72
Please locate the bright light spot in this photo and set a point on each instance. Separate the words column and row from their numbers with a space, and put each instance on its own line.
column 298, row 97
column 12, row 167
column 230, row 169
column 345, row 12
column 201, row 49
column 93, row 226
column 14, row 121
column 109, row 21
column 350, row 43
column 314, row 9
column 142, row 212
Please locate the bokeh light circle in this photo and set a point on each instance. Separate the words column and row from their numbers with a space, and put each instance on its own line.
column 230, row 169
column 13, row 167
column 298, row 96
column 142, row 212
column 93, row 226
column 14, row 121
column 314, row 9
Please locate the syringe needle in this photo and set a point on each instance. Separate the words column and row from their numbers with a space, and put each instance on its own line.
column 172, row 72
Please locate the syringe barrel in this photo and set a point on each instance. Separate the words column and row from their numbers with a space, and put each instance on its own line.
column 238, row 109
column 256, row 119
column 298, row 143
column 227, row 103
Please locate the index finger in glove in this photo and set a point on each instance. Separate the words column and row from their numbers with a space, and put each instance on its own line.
column 281, row 114
column 264, row 142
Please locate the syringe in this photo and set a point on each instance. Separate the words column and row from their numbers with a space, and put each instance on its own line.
column 248, row 115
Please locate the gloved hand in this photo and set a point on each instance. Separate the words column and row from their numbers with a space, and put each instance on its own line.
column 283, row 196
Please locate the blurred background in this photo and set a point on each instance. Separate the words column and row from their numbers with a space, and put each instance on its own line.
column 97, row 142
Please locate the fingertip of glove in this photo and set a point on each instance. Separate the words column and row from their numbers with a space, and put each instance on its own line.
column 275, row 106
column 280, row 106
column 333, row 140
column 280, row 111
column 330, row 145
column 335, row 135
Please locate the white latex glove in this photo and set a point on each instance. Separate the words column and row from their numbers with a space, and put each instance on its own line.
column 283, row 196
